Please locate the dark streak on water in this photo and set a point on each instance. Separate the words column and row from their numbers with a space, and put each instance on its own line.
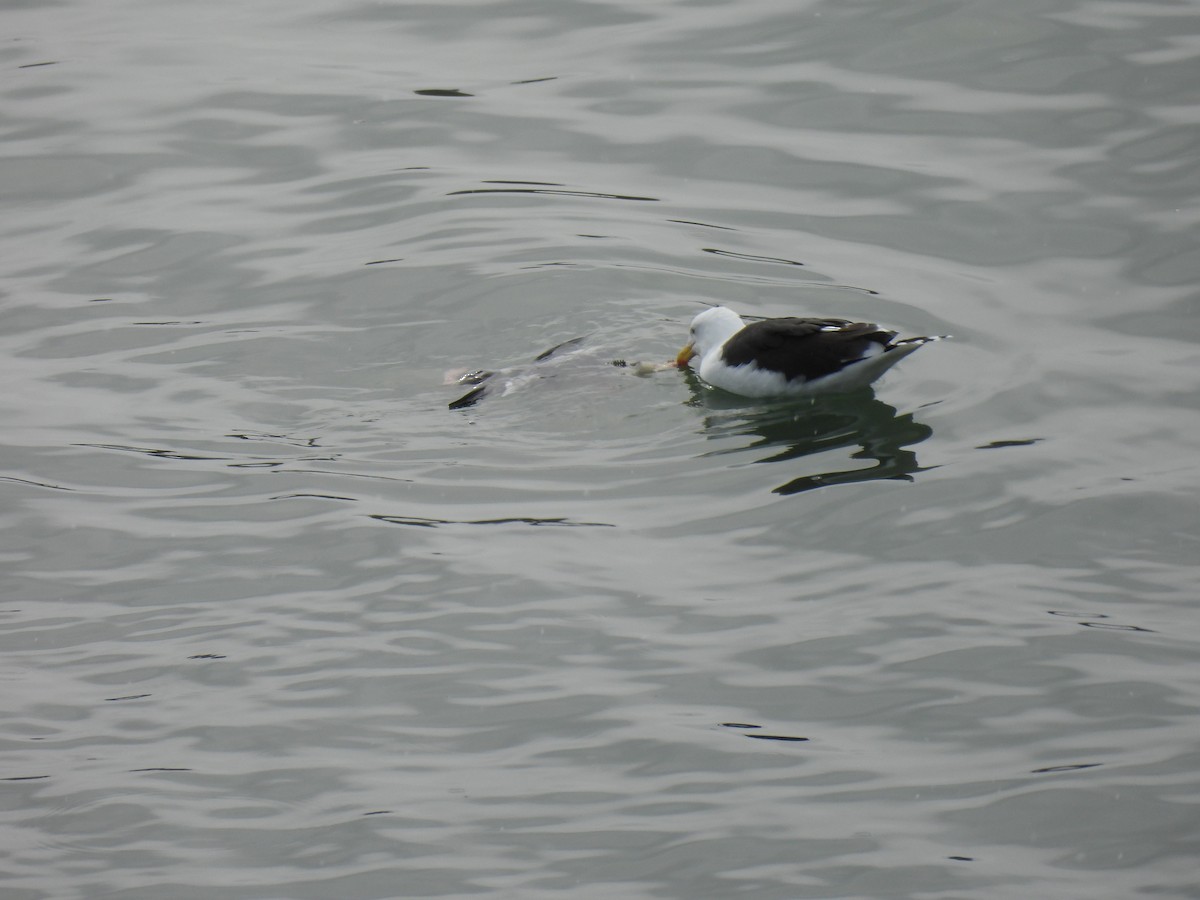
column 516, row 520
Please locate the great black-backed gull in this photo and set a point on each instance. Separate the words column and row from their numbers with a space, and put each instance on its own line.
column 791, row 356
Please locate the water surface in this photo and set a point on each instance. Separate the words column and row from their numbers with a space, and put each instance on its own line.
column 277, row 623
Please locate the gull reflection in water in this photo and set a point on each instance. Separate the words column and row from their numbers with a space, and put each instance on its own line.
column 792, row 429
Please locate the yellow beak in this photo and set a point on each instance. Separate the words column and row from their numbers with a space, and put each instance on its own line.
column 685, row 355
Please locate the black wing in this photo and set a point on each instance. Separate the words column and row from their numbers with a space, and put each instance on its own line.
column 473, row 396
column 546, row 354
column 803, row 348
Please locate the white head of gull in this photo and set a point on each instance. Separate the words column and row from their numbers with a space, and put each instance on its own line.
column 791, row 356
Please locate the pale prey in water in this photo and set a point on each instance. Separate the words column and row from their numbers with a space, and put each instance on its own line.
column 565, row 360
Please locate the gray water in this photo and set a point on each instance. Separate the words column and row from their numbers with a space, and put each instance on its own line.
column 279, row 624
